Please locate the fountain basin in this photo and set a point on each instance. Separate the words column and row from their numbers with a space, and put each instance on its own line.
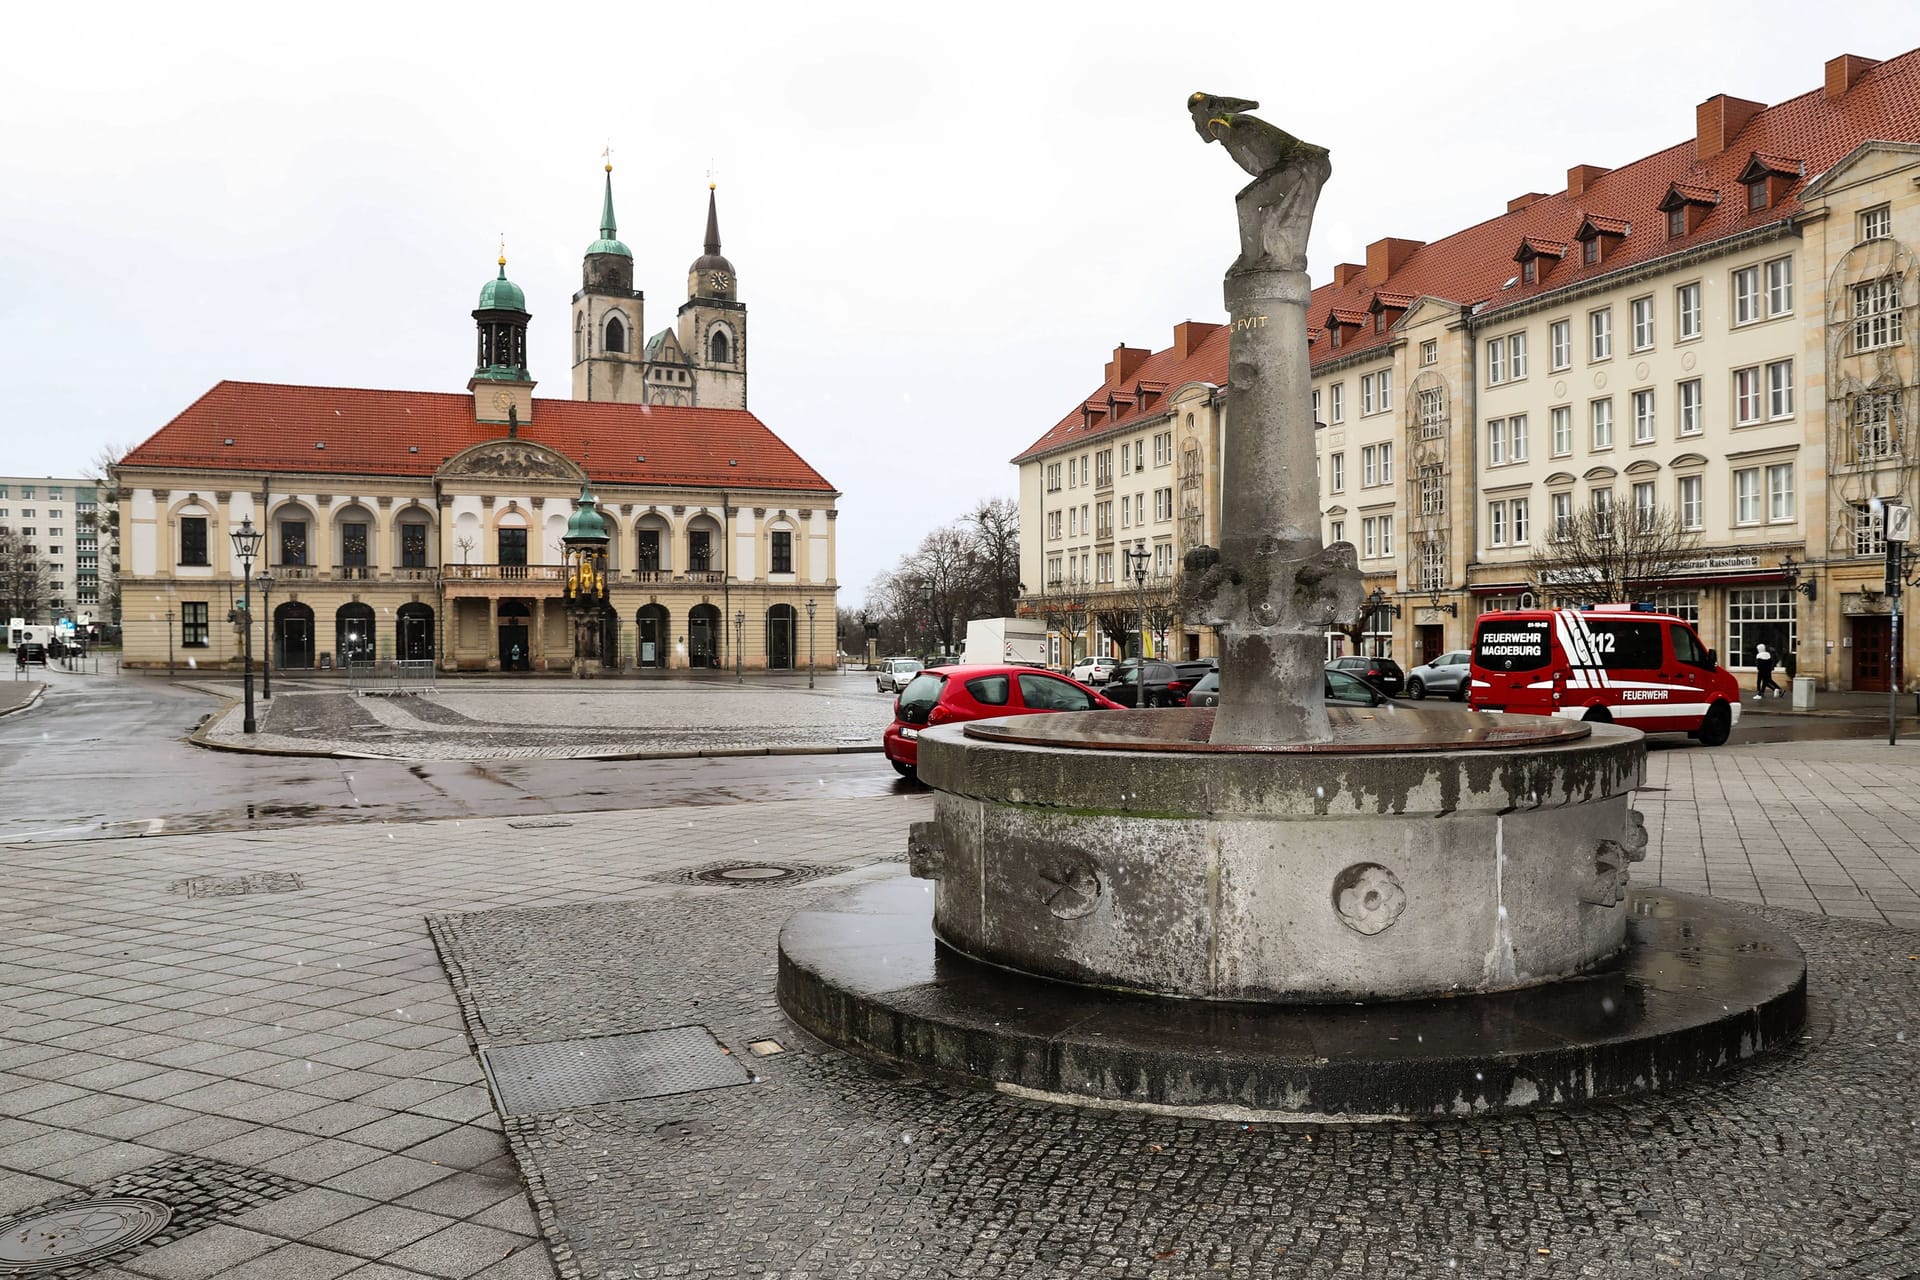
column 1421, row 853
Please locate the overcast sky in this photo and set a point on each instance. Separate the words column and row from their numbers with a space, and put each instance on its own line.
column 943, row 218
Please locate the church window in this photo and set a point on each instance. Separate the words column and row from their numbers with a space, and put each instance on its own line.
column 717, row 347
column 616, row 335
column 579, row 341
column 782, row 552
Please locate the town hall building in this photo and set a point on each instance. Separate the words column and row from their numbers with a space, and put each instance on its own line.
column 422, row 524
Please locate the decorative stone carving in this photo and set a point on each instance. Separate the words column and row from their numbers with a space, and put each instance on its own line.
column 759, row 513
column 385, row 501
column 221, row 495
column 806, row 513
column 323, row 499
column 486, row 502
column 161, row 495
column 1368, row 898
column 833, row 514
column 1071, row 885
column 511, row 459
column 679, row 509
column 1611, row 860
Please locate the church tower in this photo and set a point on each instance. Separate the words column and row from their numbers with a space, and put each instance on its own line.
column 502, row 388
column 608, row 313
column 713, row 324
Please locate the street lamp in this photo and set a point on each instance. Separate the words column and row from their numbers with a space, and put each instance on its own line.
column 169, row 644
column 810, row 608
column 246, row 545
column 1137, row 564
column 739, row 630
column 1452, row 607
column 1791, row 572
column 1378, row 604
column 266, row 632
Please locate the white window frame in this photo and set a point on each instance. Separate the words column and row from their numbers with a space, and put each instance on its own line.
column 1497, row 524
column 1869, row 535
column 1560, row 344
column 1496, row 442
column 1876, row 223
column 1561, row 419
column 1641, row 310
column 1686, row 312
column 1433, row 412
column 1496, row 361
column 1747, row 298
column 1780, row 495
column 1385, row 377
column 1386, row 463
column 1337, row 470
column 1875, row 425
column 1746, row 496
column 1690, row 498
column 1877, row 316
column 1779, row 389
column 1369, row 537
column 1690, row 395
column 1600, row 424
column 1517, row 522
column 1646, row 427
column 1386, row 536
column 1339, row 390
column 1779, row 273
column 1517, row 438
column 1749, row 396
column 1516, row 356
column 1366, row 394
column 1337, row 531
column 1562, row 516
column 1429, row 352
column 1600, row 335
column 1601, row 501
column 1646, row 503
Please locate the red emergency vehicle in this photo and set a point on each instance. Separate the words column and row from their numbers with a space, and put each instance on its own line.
column 1618, row 662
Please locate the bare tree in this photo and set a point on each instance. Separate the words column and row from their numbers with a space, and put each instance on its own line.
column 995, row 526
column 466, row 542
column 24, row 577
column 1602, row 555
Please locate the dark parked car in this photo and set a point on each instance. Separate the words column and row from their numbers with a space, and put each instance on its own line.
column 1145, row 684
column 1189, row 674
column 950, row 694
column 30, row 652
column 1344, row 689
column 1383, row 674
column 1450, row 673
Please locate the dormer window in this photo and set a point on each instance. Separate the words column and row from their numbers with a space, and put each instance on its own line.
column 1599, row 236
column 1676, row 222
column 1768, row 178
column 1590, row 250
column 1529, row 272
column 1686, row 207
column 1531, row 250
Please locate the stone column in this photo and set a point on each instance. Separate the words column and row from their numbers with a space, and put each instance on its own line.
column 493, row 632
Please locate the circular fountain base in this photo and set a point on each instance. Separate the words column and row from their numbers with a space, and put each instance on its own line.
column 1699, row 987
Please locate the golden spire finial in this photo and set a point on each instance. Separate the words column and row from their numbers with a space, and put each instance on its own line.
column 503, row 250
column 606, row 154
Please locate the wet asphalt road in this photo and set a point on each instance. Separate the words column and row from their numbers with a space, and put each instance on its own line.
column 101, row 757
column 106, row 757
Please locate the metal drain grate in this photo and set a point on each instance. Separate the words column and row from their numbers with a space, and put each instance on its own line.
column 739, row 874
column 234, row 886
column 533, row 1079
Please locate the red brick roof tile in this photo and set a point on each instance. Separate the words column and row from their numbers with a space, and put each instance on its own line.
column 274, row 427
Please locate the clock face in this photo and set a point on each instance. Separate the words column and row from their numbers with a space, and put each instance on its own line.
column 502, row 401
column 720, row 279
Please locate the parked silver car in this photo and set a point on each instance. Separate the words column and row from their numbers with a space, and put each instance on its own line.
column 1450, row 673
column 895, row 674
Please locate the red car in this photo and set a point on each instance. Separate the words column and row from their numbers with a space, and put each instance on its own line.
column 946, row 695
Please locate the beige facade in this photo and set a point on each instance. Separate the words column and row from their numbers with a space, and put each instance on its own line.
column 1757, row 386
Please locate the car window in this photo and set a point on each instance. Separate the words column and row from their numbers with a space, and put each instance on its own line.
column 1521, row 645
column 1044, row 693
column 989, row 691
column 1618, row 644
column 1687, row 647
column 917, row 699
column 1342, row 687
column 1208, row 682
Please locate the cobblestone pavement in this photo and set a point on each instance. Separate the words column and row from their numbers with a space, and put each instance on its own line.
column 518, row 719
column 151, row 1012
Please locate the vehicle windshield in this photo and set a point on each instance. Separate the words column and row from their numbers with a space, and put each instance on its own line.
column 917, row 699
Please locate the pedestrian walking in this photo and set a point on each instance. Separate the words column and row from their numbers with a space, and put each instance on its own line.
column 1763, row 670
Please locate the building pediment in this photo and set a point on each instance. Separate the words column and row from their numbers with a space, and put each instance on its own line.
column 510, row 460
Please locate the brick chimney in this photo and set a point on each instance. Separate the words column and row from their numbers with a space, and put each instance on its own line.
column 1384, row 257
column 1582, row 176
column 1125, row 360
column 1345, row 271
column 1188, row 335
column 1845, row 71
column 1518, row 203
column 1719, row 120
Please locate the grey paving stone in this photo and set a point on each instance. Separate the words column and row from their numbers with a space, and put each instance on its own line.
column 295, row 1262
column 379, row 1231
column 465, row 1195
column 461, row 1250
column 388, row 1178
column 303, row 1213
column 202, row 1254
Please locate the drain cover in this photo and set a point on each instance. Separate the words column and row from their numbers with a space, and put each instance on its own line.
column 532, row 1079
column 49, row 1239
column 752, row 875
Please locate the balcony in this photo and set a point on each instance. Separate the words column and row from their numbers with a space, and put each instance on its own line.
column 504, row 572
column 414, row 573
column 652, row 575
column 705, row 575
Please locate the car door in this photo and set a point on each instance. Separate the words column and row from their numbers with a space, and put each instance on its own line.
column 1050, row 693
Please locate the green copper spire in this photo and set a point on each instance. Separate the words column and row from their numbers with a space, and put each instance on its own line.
column 500, row 293
column 587, row 522
column 609, row 241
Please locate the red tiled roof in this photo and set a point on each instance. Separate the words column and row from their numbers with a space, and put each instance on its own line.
column 1542, row 247
column 1396, row 301
column 1206, row 363
column 275, row 427
column 1691, row 194
column 1472, row 266
column 1785, row 166
column 1605, row 225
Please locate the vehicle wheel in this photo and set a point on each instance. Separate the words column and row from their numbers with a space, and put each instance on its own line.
column 904, row 770
column 1416, row 688
column 1715, row 725
column 1598, row 715
column 1459, row 693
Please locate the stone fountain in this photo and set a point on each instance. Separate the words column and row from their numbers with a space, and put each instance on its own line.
column 1280, row 909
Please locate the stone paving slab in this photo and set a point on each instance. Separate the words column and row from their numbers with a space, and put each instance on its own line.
column 507, row 719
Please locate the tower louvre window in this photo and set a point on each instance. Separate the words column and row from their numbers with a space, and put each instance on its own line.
column 717, row 347
column 616, row 335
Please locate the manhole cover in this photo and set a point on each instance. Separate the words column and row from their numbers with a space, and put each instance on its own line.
column 752, row 875
column 49, row 1239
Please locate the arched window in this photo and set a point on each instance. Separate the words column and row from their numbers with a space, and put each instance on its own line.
column 579, row 339
column 717, row 347
column 616, row 334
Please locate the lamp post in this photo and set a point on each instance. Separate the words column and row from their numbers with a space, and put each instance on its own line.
column 1137, row 565
column 739, row 629
column 246, row 545
column 266, row 633
column 1451, row 607
column 1378, row 604
column 169, row 644
column 810, row 608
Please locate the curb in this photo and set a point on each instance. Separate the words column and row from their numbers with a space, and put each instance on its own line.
column 38, row 693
